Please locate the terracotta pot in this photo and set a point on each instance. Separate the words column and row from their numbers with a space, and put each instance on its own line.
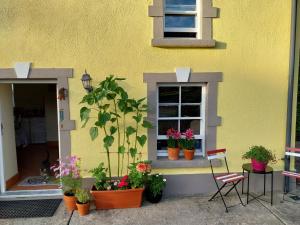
column 173, row 153
column 83, row 209
column 70, row 202
column 258, row 166
column 189, row 154
column 118, row 199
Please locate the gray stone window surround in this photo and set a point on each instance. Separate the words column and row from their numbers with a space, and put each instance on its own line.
column 212, row 120
column 208, row 13
column 60, row 77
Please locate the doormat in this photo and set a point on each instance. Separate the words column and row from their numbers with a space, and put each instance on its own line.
column 28, row 208
column 36, row 181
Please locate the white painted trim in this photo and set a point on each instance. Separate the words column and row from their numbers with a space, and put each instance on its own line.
column 216, row 156
column 22, row 69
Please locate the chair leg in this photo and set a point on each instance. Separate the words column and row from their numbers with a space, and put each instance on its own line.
column 224, row 202
column 230, row 189
column 219, row 191
column 239, row 195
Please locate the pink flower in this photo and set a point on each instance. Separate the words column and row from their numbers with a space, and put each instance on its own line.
column 170, row 132
column 122, row 184
column 189, row 134
column 125, row 178
column 176, row 135
column 141, row 167
column 148, row 170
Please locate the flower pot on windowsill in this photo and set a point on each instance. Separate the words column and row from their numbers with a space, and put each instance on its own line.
column 258, row 166
column 83, row 208
column 189, row 154
column 173, row 153
column 118, row 199
column 70, row 202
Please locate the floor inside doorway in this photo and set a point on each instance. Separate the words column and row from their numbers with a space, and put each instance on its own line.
column 30, row 160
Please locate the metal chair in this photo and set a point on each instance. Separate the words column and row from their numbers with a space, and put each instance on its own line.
column 294, row 152
column 227, row 180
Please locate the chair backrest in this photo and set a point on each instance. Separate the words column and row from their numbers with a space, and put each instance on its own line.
column 292, row 152
column 216, row 154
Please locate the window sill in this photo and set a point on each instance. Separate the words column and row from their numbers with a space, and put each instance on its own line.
column 197, row 162
column 183, row 43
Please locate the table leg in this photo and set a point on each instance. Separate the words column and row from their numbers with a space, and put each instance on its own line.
column 272, row 188
column 264, row 184
column 248, row 187
column 243, row 182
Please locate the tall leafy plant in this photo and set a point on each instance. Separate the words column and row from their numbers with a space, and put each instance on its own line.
column 119, row 117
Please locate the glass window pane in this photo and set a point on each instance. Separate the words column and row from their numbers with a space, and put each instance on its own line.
column 191, row 94
column 162, row 145
column 168, row 94
column 164, row 125
column 193, row 124
column 168, row 111
column 180, row 21
column 198, row 144
column 190, row 111
column 181, row 5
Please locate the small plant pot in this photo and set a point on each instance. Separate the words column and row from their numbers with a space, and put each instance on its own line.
column 258, row 166
column 189, row 154
column 173, row 153
column 70, row 202
column 83, row 209
column 151, row 198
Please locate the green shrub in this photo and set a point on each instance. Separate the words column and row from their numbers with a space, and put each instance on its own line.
column 83, row 196
column 260, row 153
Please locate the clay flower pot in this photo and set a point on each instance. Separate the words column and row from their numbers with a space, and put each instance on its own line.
column 70, row 202
column 173, row 153
column 118, row 199
column 258, row 166
column 83, row 209
column 189, row 154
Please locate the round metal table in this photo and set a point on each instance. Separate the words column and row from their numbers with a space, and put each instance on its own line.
column 248, row 168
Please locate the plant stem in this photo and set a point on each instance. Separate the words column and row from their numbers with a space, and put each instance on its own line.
column 136, row 133
column 108, row 155
column 124, row 134
column 118, row 128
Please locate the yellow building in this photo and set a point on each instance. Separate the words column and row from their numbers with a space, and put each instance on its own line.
column 237, row 56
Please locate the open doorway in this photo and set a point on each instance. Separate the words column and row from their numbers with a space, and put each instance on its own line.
column 28, row 160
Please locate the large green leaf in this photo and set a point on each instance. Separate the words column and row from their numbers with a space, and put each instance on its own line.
column 84, row 115
column 130, row 130
column 121, row 149
column 142, row 140
column 103, row 117
column 94, row 133
column 147, row 124
column 133, row 152
column 138, row 118
column 113, row 130
column 108, row 141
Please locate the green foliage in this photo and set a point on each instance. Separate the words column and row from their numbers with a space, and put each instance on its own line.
column 83, row 196
column 70, row 184
column 260, row 153
column 119, row 117
column 99, row 173
column 188, row 144
column 138, row 173
column 172, row 143
column 156, row 183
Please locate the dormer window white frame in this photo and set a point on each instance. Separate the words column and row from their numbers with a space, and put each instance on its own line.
column 196, row 27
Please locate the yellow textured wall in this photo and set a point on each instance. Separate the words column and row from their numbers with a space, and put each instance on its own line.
column 113, row 37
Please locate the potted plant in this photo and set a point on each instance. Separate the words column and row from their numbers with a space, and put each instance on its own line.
column 172, row 142
column 110, row 110
column 124, row 193
column 154, row 189
column 188, row 144
column 83, row 202
column 68, row 174
column 260, row 157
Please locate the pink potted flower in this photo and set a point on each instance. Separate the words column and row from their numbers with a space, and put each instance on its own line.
column 172, row 142
column 188, row 144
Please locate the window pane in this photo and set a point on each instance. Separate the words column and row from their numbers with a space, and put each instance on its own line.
column 176, row 21
column 193, row 124
column 168, row 111
column 180, row 34
column 162, row 144
column 181, row 5
column 198, row 143
column 190, row 110
column 191, row 94
column 168, row 94
column 164, row 125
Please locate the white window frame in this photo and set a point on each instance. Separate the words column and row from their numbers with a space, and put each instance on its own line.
column 202, row 117
column 197, row 13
